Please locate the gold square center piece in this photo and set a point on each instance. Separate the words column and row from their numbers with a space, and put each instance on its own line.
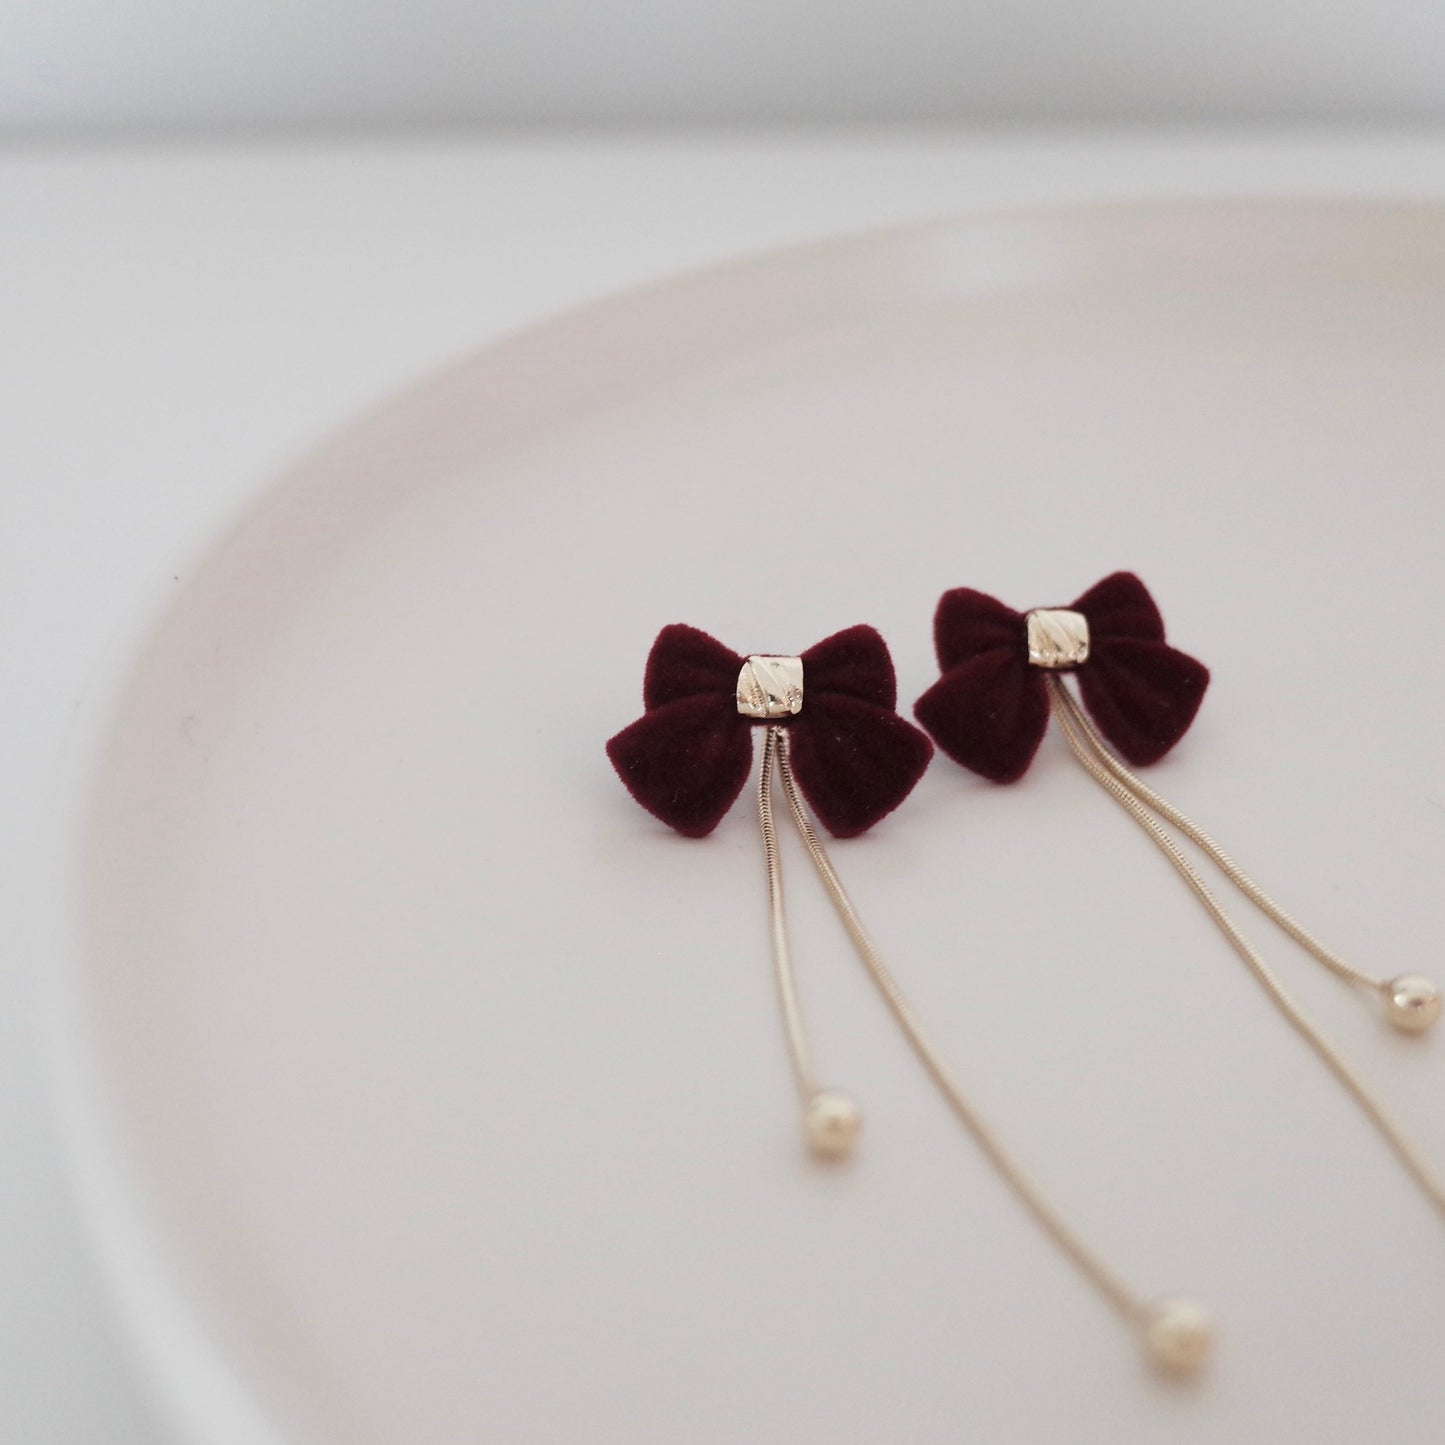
column 1058, row 637
column 770, row 687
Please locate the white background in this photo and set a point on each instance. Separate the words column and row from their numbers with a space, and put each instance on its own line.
column 174, row 324
column 178, row 325
column 95, row 65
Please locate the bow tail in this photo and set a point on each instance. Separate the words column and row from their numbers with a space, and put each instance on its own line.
column 990, row 714
column 1143, row 695
column 685, row 762
column 855, row 761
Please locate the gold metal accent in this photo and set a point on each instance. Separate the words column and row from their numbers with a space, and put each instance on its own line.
column 1412, row 1003
column 1058, row 637
column 798, row 1050
column 831, row 1122
column 1137, row 800
column 770, row 687
column 1179, row 1336
column 1231, row 870
column 776, row 750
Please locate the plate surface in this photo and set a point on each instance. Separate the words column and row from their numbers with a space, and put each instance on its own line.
column 428, row 1091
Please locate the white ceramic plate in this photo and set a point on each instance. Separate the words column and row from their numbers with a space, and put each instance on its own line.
column 426, row 1091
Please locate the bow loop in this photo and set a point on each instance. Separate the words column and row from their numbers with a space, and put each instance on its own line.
column 1120, row 606
column 968, row 623
column 854, row 663
column 686, row 662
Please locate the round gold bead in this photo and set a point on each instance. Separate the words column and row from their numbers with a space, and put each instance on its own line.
column 831, row 1123
column 1179, row 1336
column 1412, row 1003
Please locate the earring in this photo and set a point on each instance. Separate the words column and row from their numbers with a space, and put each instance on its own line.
column 1003, row 676
column 834, row 740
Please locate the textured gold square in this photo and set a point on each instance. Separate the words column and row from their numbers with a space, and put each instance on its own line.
column 770, row 687
column 1058, row 637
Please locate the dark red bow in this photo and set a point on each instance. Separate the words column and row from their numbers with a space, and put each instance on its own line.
column 990, row 709
column 687, row 757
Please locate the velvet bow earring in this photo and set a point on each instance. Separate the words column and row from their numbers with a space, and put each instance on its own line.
column 829, row 730
column 687, row 757
column 1005, row 672
column 832, row 736
column 990, row 709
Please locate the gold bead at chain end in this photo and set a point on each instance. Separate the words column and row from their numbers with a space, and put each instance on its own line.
column 1412, row 1003
column 1179, row 1336
column 831, row 1123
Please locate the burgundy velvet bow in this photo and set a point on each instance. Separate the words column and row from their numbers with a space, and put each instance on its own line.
column 990, row 709
column 687, row 757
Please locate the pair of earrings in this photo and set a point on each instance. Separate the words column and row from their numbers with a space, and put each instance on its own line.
column 834, row 740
